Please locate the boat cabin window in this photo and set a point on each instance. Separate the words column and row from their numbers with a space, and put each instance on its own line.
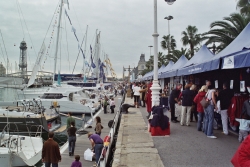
column 52, row 96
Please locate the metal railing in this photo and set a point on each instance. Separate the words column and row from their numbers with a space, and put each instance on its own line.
column 108, row 158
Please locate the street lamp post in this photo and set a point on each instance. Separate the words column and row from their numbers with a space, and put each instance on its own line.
column 156, row 87
column 169, row 18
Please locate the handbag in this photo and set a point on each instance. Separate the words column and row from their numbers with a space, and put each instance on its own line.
column 205, row 102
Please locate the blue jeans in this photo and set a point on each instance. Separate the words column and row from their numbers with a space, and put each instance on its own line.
column 200, row 119
column 47, row 164
column 209, row 120
column 72, row 141
column 98, row 152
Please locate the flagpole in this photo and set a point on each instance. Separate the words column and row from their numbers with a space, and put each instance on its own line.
column 57, row 40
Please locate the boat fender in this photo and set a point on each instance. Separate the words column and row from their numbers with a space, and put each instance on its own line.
column 106, row 140
column 110, row 123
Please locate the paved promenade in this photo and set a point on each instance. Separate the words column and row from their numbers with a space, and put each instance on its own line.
column 135, row 147
column 186, row 147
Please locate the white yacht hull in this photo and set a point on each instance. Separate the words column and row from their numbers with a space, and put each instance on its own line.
column 16, row 151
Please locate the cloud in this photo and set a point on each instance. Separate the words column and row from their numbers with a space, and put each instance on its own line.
column 126, row 28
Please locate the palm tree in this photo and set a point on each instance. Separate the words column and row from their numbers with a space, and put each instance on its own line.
column 161, row 59
column 168, row 42
column 191, row 38
column 150, row 63
column 176, row 54
column 244, row 7
column 224, row 32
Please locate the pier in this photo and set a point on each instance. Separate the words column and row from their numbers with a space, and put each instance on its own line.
column 136, row 147
column 83, row 143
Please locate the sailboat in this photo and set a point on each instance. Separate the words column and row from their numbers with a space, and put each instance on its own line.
column 18, row 150
column 29, row 114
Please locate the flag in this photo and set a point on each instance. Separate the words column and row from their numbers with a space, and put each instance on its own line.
column 92, row 63
column 79, row 47
column 99, row 62
column 86, row 63
column 73, row 29
column 68, row 16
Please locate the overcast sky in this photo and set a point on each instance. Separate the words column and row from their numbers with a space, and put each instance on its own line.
column 126, row 28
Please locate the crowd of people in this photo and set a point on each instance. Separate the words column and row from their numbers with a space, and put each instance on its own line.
column 190, row 98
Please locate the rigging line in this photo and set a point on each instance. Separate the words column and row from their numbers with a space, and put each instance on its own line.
column 20, row 19
column 89, row 67
column 77, row 19
column 5, row 50
column 51, row 22
column 66, row 39
column 2, row 53
column 79, row 50
column 27, row 28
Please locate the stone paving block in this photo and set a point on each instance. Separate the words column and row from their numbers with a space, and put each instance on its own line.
column 133, row 145
column 141, row 160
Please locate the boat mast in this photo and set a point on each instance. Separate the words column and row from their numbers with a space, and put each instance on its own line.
column 84, row 68
column 57, row 40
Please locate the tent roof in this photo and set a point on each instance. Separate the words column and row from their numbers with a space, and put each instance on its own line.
column 240, row 42
column 181, row 61
column 204, row 54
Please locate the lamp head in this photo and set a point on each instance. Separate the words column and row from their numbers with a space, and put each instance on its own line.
column 170, row 2
column 169, row 17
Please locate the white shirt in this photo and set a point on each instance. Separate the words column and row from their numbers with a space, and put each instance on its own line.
column 210, row 95
column 136, row 90
column 112, row 102
column 244, row 124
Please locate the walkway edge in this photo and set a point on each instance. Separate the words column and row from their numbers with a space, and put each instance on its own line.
column 135, row 145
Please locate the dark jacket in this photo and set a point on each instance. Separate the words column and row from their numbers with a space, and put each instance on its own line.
column 72, row 131
column 188, row 96
column 174, row 94
column 51, row 152
column 225, row 97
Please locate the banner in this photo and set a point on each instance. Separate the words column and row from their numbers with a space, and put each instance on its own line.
column 228, row 62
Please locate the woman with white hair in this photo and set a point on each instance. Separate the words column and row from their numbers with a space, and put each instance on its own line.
column 201, row 94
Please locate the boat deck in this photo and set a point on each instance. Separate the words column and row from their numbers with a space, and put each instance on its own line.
column 83, row 142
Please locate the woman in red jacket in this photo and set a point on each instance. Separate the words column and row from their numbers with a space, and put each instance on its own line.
column 242, row 156
column 202, row 92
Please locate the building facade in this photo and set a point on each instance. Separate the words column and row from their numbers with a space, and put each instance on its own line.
column 141, row 64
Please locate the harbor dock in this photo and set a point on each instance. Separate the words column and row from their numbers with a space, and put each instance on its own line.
column 83, row 143
column 136, row 147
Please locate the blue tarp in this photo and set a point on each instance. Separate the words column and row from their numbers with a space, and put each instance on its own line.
column 182, row 60
column 151, row 76
column 148, row 75
column 204, row 54
column 166, row 69
column 237, row 60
